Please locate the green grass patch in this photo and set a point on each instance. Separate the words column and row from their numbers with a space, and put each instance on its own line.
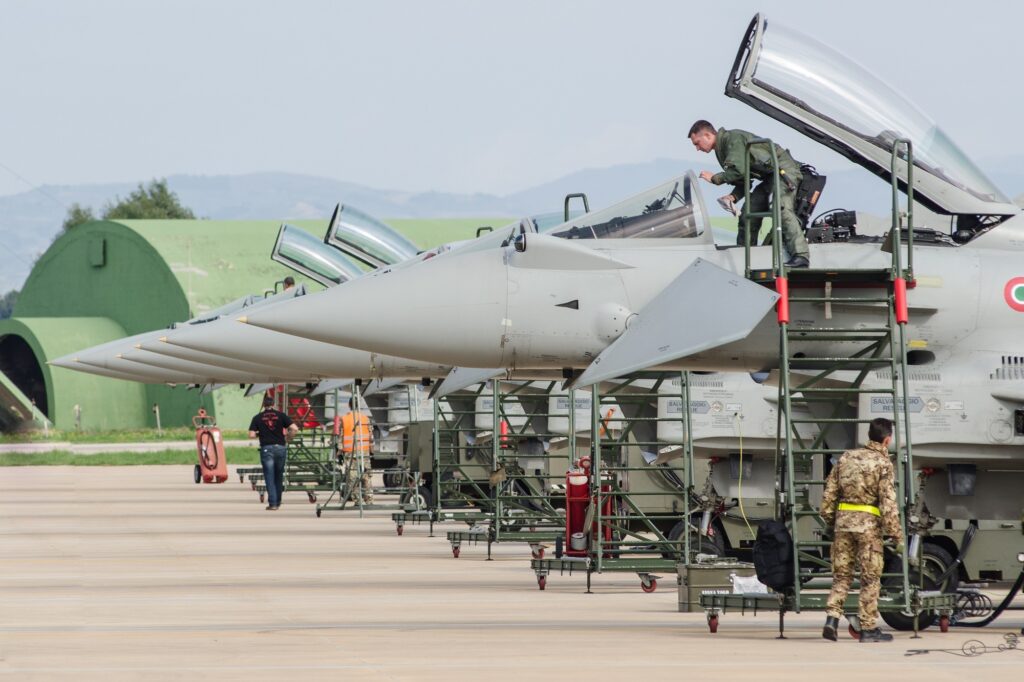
column 429, row 233
column 241, row 456
column 120, row 436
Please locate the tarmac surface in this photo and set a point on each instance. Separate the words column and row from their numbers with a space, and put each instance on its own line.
column 136, row 572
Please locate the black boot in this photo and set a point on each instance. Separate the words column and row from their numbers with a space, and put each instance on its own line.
column 798, row 262
column 875, row 635
column 831, row 626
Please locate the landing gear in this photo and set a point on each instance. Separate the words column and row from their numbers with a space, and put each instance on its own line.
column 934, row 562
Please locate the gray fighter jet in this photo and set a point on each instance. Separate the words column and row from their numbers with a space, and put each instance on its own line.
column 601, row 308
column 611, row 306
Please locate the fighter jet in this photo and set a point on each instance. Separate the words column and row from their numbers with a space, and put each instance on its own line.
column 530, row 301
column 240, row 347
column 601, row 308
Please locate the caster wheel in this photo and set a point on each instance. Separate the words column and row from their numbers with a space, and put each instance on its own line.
column 455, row 552
column 538, row 553
column 197, row 474
column 312, row 497
column 542, row 582
column 713, row 623
column 241, row 478
column 253, row 484
column 943, row 623
column 399, row 530
column 261, row 498
column 855, row 633
column 648, row 586
column 318, row 513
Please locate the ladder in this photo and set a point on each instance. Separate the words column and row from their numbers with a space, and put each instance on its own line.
column 867, row 314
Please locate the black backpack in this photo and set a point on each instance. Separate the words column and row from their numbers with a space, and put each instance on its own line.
column 773, row 555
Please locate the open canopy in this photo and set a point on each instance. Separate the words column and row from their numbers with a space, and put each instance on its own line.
column 307, row 255
column 367, row 239
column 809, row 86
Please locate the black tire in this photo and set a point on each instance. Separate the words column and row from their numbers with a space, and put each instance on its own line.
column 934, row 562
column 197, row 474
column 699, row 544
column 425, row 495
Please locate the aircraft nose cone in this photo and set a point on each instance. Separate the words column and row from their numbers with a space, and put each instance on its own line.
column 449, row 309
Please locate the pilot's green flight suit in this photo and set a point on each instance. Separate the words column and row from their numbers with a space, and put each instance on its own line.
column 731, row 151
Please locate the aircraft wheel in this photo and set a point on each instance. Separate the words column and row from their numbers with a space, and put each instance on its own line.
column 934, row 562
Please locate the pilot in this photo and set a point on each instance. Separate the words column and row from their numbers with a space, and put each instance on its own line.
column 860, row 504
column 730, row 149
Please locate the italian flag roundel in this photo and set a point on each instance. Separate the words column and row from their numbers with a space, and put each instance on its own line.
column 1014, row 294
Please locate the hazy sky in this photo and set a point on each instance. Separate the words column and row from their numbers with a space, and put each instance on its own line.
column 447, row 95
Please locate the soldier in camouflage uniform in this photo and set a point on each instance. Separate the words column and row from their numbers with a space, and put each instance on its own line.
column 730, row 147
column 860, row 505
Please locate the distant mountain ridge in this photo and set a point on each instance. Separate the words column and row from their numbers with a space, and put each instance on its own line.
column 30, row 220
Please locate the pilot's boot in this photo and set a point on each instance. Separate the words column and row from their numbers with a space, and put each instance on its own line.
column 831, row 626
column 875, row 635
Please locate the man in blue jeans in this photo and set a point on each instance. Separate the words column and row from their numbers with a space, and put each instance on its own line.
column 274, row 428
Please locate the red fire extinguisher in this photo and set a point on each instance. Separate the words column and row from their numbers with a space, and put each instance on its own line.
column 213, row 465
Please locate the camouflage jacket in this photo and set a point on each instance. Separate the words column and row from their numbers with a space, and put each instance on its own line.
column 863, row 476
column 731, row 152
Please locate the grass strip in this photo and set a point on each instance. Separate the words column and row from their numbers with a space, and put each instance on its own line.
column 241, row 456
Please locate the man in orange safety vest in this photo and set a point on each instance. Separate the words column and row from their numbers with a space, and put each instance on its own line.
column 356, row 448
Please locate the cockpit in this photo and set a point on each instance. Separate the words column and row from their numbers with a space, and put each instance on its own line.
column 672, row 209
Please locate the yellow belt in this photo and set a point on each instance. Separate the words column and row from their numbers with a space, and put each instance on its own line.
column 866, row 508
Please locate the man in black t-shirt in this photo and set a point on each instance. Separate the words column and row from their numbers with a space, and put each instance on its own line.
column 274, row 428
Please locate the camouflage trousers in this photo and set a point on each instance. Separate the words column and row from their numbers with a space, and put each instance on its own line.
column 353, row 480
column 851, row 551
